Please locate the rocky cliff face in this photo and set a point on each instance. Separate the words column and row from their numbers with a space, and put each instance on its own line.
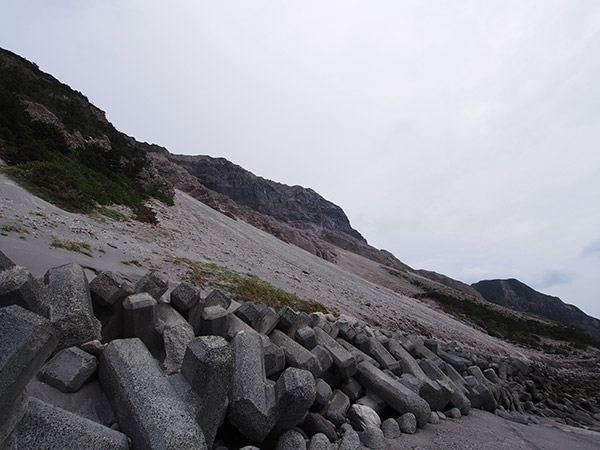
column 294, row 205
column 518, row 296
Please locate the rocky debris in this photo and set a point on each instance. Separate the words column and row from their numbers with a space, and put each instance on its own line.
column 69, row 369
column 272, row 378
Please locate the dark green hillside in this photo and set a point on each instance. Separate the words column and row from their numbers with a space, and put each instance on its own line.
column 63, row 148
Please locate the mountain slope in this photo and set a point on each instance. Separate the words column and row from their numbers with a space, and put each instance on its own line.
column 518, row 296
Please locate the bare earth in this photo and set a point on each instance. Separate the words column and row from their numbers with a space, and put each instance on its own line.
column 192, row 230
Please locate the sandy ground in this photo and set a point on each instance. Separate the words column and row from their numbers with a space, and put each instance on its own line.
column 482, row 430
column 190, row 229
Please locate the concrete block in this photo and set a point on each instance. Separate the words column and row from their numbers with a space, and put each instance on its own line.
column 67, row 292
column 214, row 320
column 352, row 389
column 323, row 393
column 176, row 332
column 359, row 355
column 149, row 409
column 184, row 297
column 372, row 401
column 305, row 336
column 274, row 359
column 375, row 349
column 291, row 440
column 295, row 354
column 457, row 395
column 45, row 426
column 218, row 298
column 139, row 320
column 324, row 357
column 295, row 393
column 69, row 369
column 208, row 368
column 153, row 283
column 27, row 341
column 267, row 321
column 18, row 287
column 5, row 262
column 107, row 289
column 315, row 423
column 250, row 312
column 252, row 411
column 342, row 358
column 339, row 403
column 396, row 395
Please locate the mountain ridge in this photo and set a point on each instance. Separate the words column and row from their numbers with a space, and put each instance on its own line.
column 516, row 295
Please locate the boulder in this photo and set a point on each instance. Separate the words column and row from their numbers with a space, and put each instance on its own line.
column 291, row 440
column 407, row 423
column 362, row 417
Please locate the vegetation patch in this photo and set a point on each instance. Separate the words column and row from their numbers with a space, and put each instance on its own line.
column 500, row 324
column 112, row 214
column 73, row 246
column 14, row 228
column 132, row 262
column 78, row 177
column 244, row 287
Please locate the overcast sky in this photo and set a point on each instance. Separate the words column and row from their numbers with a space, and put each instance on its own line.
column 463, row 136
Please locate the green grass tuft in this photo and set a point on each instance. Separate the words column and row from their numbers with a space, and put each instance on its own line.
column 244, row 287
column 73, row 246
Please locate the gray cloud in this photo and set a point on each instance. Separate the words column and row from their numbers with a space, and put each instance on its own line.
column 592, row 249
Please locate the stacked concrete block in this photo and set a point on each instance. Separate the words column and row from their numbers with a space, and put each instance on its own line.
column 252, row 410
column 66, row 291
column 274, row 359
column 139, row 320
column 108, row 290
column 295, row 392
column 176, row 332
column 149, row 409
column 69, row 369
column 396, row 395
column 208, row 368
column 343, row 360
column 27, row 341
column 18, row 287
column 5, row 262
column 45, row 426
column 295, row 354
column 153, row 283
column 374, row 348
column 184, row 297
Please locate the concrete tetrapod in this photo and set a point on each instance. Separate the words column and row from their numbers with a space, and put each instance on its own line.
column 252, row 411
column 393, row 393
column 149, row 409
